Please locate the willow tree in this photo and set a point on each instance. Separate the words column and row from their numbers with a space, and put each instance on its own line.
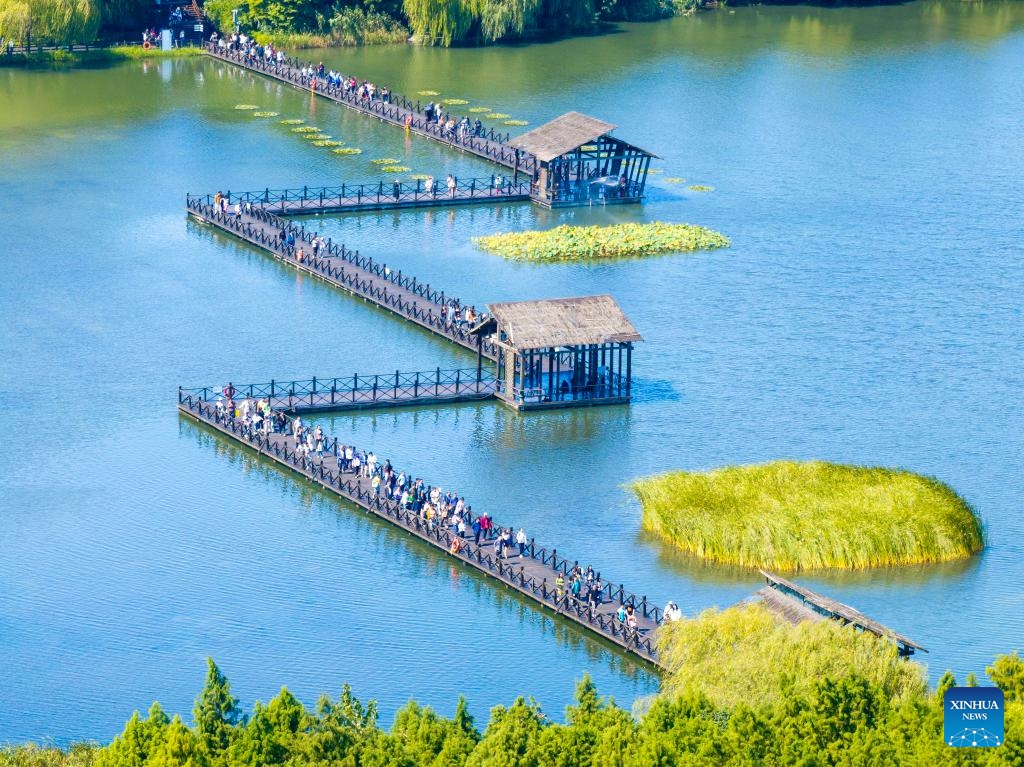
column 59, row 22
column 506, row 18
column 440, row 21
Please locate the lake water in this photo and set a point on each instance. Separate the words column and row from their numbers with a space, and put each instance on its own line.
column 867, row 164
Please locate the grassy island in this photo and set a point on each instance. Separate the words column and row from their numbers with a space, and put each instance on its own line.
column 790, row 516
column 586, row 243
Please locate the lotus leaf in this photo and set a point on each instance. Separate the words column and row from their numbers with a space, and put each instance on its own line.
column 385, row 161
column 498, row 116
column 479, row 110
column 419, row 176
column 516, row 122
column 265, row 114
column 428, row 93
column 395, row 169
column 700, row 188
column 292, row 121
column 674, row 180
column 347, row 150
column 306, row 129
column 246, row 107
column 454, row 102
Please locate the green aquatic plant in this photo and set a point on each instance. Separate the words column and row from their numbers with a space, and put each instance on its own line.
column 348, row 150
column 516, row 122
column 292, row 121
column 789, row 515
column 395, row 169
column 585, row 243
column 649, row 170
column 674, row 180
column 246, row 107
column 328, row 143
column 385, row 161
column 419, row 176
column 306, row 129
column 428, row 93
column 498, row 116
column 454, row 102
column 700, row 188
column 479, row 110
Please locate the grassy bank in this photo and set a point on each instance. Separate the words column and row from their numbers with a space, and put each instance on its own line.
column 592, row 243
column 747, row 654
column 787, row 515
column 59, row 58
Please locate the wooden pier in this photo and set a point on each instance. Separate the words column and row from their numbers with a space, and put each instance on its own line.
column 532, row 575
column 358, row 275
column 399, row 111
column 796, row 603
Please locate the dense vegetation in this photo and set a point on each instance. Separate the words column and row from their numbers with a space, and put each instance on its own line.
column 846, row 720
column 787, row 515
column 325, row 22
column 587, row 243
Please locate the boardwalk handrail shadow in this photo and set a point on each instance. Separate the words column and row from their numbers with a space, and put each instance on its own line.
column 536, row 586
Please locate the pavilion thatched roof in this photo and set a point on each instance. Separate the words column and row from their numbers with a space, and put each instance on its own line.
column 561, row 135
column 563, row 322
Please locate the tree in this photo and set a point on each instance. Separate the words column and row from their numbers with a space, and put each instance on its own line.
column 59, row 22
column 1008, row 673
column 510, row 737
column 179, row 748
column 216, row 712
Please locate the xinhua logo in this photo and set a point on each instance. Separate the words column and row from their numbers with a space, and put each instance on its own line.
column 973, row 717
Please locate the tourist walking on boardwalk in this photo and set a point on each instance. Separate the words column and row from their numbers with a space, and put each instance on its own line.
column 521, row 541
column 477, row 530
column 452, row 185
column 672, row 612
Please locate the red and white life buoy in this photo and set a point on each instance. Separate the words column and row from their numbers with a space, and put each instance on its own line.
column 146, row 46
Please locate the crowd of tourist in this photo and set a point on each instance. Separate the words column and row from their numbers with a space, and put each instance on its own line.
column 320, row 77
column 436, row 508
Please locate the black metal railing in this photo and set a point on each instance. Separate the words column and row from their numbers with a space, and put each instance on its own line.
column 363, row 276
column 377, row 388
column 312, row 199
column 349, row 487
column 396, row 109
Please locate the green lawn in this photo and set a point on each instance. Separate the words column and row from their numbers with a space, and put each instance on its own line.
column 792, row 516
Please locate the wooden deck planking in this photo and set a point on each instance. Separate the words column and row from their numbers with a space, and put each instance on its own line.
column 262, row 229
column 393, row 113
column 528, row 575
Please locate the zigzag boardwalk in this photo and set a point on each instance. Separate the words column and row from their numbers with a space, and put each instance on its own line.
column 361, row 276
column 532, row 575
column 399, row 111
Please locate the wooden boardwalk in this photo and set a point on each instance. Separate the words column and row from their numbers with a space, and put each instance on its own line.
column 381, row 195
column 358, row 275
column 399, row 111
column 360, row 392
column 532, row 575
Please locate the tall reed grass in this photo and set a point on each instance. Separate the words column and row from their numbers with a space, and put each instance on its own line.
column 746, row 654
column 790, row 516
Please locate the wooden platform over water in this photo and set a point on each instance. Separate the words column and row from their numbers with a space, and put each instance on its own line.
column 400, row 111
column 532, row 575
column 358, row 275
column 360, row 392
column 796, row 603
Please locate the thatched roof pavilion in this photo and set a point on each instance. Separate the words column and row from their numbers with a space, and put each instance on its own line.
column 562, row 351
column 579, row 162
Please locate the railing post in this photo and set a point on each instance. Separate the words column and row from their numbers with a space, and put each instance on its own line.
column 355, row 385
column 437, row 382
column 416, row 385
column 396, row 385
column 375, row 388
column 458, row 374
